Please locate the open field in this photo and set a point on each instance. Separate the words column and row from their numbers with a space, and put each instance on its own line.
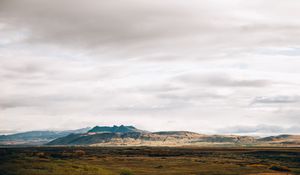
column 148, row 161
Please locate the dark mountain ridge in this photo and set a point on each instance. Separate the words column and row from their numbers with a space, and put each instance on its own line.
column 120, row 129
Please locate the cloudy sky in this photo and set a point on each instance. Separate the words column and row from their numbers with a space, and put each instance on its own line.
column 211, row 66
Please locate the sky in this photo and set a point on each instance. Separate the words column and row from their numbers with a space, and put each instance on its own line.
column 209, row 66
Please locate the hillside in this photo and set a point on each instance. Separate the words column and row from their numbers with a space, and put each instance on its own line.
column 131, row 136
column 282, row 140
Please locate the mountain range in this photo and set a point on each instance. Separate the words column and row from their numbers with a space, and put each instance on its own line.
column 37, row 137
column 131, row 136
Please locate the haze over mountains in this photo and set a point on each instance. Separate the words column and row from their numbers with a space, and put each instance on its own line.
column 131, row 136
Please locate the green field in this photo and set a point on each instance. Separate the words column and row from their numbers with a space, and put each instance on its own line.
column 147, row 161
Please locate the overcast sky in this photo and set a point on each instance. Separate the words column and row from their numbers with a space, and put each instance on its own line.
column 210, row 66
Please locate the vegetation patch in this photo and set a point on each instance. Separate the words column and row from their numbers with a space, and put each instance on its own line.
column 280, row 168
column 141, row 161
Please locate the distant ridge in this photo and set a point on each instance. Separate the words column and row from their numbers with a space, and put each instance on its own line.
column 36, row 137
column 282, row 139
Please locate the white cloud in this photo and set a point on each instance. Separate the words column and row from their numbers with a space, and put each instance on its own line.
column 260, row 130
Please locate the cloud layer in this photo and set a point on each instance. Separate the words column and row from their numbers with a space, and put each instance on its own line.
column 160, row 65
column 260, row 129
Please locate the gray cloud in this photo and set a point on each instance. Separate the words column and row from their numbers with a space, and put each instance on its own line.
column 190, row 96
column 286, row 52
column 6, row 132
column 104, row 25
column 159, row 88
column 139, row 28
column 277, row 99
column 198, row 64
column 222, row 80
column 260, row 129
column 154, row 107
column 19, row 101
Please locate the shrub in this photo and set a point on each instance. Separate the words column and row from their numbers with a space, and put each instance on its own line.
column 79, row 153
column 279, row 168
column 126, row 172
column 41, row 155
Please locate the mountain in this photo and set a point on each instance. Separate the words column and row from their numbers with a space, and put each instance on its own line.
column 131, row 136
column 36, row 137
column 120, row 129
column 124, row 135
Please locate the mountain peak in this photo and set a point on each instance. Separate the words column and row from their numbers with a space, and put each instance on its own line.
column 114, row 129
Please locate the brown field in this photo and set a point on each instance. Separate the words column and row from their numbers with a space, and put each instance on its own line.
column 148, row 161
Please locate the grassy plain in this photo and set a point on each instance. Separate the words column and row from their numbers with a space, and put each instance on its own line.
column 148, row 161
